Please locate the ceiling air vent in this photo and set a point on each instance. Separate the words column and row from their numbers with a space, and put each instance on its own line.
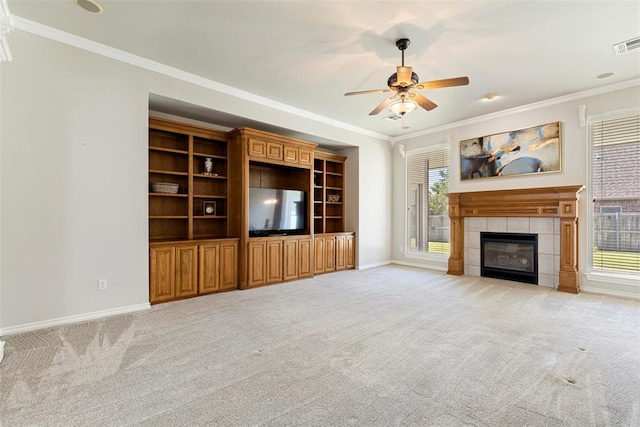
column 393, row 117
column 624, row 47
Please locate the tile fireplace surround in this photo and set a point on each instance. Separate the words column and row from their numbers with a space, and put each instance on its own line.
column 526, row 204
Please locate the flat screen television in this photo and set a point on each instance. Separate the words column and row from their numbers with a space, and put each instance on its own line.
column 276, row 211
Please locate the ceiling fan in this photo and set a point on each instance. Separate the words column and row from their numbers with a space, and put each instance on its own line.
column 403, row 100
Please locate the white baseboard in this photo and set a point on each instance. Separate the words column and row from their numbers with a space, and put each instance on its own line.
column 612, row 292
column 374, row 265
column 73, row 319
column 408, row 264
column 607, row 283
column 420, row 265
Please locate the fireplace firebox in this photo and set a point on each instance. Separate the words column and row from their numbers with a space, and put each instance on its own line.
column 510, row 256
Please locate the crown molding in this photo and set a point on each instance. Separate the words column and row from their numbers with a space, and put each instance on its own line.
column 45, row 31
column 6, row 26
column 138, row 61
column 524, row 108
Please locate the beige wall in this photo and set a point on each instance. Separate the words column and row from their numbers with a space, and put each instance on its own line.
column 74, row 180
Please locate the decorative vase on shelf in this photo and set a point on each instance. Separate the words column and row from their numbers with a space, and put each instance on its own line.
column 208, row 166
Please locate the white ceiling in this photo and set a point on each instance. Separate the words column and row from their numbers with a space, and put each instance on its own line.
column 307, row 54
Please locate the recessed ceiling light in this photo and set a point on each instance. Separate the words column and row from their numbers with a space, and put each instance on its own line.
column 605, row 75
column 89, row 6
column 489, row 96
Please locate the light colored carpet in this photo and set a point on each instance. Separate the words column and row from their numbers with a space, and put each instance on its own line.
column 381, row 347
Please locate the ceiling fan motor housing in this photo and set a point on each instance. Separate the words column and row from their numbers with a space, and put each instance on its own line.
column 392, row 82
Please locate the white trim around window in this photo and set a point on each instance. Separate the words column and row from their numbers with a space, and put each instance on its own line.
column 421, row 255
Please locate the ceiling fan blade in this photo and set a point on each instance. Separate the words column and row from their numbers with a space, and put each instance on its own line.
column 382, row 105
column 364, row 92
column 404, row 76
column 437, row 84
column 422, row 101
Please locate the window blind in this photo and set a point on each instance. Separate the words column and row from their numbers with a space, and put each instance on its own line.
column 615, row 194
column 424, row 169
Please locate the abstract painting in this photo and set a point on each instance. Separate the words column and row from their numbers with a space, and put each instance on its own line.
column 525, row 151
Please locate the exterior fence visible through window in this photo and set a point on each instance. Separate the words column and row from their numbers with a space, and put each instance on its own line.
column 615, row 194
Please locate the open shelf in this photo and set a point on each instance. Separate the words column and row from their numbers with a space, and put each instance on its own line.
column 179, row 154
column 166, row 172
column 209, row 176
column 328, row 180
column 167, row 195
column 169, row 150
column 205, row 155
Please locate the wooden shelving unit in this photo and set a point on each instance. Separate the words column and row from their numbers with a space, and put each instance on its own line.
column 177, row 153
column 328, row 193
column 194, row 251
column 191, row 252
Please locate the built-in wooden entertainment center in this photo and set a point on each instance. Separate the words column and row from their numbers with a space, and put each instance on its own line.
column 199, row 237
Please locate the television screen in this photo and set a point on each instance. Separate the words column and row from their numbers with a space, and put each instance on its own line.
column 275, row 211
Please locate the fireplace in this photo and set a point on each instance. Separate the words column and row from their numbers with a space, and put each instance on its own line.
column 510, row 256
column 543, row 202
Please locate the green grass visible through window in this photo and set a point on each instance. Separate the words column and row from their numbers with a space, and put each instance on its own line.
column 439, row 247
column 614, row 260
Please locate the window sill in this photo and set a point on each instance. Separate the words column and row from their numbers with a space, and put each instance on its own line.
column 623, row 279
column 426, row 256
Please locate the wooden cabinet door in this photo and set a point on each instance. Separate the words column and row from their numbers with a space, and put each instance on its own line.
column 274, row 151
column 186, row 281
column 305, row 157
column 341, row 259
column 228, row 265
column 329, row 253
column 290, row 257
column 257, row 148
column 304, row 258
column 318, row 255
column 162, row 274
column 209, row 268
column 291, row 154
column 257, row 263
column 274, row 261
column 351, row 252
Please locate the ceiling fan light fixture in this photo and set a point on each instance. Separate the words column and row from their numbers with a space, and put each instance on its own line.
column 403, row 106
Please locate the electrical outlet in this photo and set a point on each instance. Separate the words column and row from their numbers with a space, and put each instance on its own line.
column 102, row 284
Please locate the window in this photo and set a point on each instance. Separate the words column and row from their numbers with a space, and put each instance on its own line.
column 615, row 194
column 427, row 203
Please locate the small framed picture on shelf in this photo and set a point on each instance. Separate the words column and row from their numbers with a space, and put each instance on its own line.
column 209, row 208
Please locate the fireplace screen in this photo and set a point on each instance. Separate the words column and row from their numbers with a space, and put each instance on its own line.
column 510, row 256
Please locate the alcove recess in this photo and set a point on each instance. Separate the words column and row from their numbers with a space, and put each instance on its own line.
column 194, row 251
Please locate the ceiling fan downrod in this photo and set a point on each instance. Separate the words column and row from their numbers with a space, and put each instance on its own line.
column 403, row 44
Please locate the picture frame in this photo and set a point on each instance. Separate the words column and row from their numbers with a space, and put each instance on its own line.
column 209, row 208
column 532, row 150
